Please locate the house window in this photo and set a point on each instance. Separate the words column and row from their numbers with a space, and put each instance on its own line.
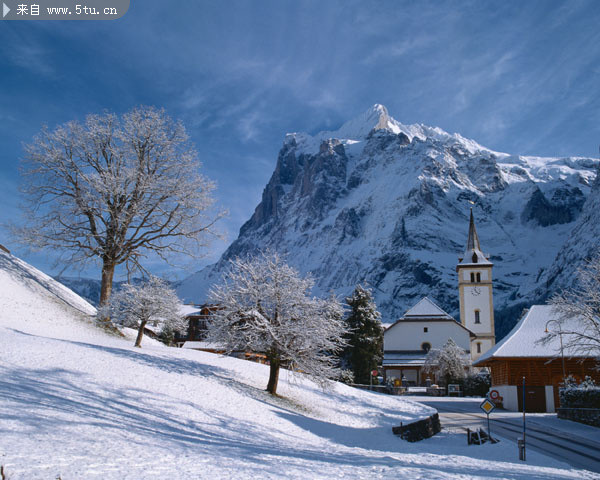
column 425, row 329
column 425, row 347
column 478, row 277
column 472, row 277
column 478, row 347
column 477, row 317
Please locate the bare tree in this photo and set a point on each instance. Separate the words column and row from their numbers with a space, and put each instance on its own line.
column 578, row 313
column 149, row 302
column 448, row 363
column 265, row 306
column 115, row 190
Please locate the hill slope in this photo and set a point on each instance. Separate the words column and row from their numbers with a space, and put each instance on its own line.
column 81, row 404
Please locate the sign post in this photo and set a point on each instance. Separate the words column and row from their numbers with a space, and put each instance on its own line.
column 487, row 406
column 523, row 455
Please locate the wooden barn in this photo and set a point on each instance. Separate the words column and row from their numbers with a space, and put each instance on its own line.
column 520, row 354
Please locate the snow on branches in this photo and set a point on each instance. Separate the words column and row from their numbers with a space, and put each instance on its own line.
column 578, row 313
column 448, row 363
column 365, row 337
column 265, row 306
column 114, row 190
column 149, row 302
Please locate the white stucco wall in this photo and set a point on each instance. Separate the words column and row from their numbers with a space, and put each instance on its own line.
column 479, row 302
column 409, row 335
column 486, row 344
column 509, row 395
column 550, row 407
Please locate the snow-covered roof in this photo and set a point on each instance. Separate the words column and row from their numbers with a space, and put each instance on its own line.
column 427, row 311
column 426, row 308
column 522, row 341
column 186, row 310
column 403, row 359
column 202, row 345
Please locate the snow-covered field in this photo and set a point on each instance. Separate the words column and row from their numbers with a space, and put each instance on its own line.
column 78, row 403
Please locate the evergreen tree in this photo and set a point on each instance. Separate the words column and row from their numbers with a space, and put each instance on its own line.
column 365, row 337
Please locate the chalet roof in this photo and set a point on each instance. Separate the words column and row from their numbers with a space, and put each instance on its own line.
column 196, row 345
column 426, row 308
column 186, row 310
column 522, row 340
column 473, row 254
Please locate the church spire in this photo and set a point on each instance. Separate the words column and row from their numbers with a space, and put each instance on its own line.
column 473, row 240
column 473, row 253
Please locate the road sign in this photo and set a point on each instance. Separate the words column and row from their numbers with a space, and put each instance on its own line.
column 494, row 394
column 487, row 406
column 374, row 373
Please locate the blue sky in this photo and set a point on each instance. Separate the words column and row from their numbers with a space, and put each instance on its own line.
column 519, row 77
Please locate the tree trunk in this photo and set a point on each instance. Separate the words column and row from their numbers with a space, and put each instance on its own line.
column 273, row 374
column 108, row 271
column 138, row 340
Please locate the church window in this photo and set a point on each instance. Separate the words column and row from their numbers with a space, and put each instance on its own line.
column 425, row 329
column 478, row 347
column 425, row 347
column 478, row 277
column 472, row 277
column 477, row 317
column 474, row 258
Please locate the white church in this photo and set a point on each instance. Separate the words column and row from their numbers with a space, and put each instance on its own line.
column 426, row 326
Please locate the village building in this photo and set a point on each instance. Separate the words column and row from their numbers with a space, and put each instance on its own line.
column 522, row 355
column 407, row 341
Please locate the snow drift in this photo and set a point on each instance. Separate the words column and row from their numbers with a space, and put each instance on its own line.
column 78, row 403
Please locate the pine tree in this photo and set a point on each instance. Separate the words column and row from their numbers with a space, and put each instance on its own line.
column 365, row 337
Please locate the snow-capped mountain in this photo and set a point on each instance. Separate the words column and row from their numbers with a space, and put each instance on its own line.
column 582, row 244
column 386, row 204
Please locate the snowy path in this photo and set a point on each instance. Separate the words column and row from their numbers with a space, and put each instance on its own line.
column 576, row 444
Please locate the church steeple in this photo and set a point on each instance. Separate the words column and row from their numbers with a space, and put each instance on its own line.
column 473, row 253
column 473, row 240
column 475, row 293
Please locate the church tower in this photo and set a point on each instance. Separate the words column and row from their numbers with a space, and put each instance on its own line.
column 475, row 294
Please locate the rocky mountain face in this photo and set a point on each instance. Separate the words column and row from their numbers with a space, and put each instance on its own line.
column 387, row 205
column 582, row 244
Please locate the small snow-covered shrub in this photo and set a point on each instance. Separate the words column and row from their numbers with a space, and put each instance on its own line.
column 347, row 376
column 584, row 395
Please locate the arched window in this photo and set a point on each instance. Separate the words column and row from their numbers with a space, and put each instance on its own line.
column 474, row 257
column 477, row 317
column 478, row 347
column 426, row 346
column 478, row 277
column 472, row 277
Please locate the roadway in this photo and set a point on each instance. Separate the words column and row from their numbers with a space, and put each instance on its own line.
column 560, row 440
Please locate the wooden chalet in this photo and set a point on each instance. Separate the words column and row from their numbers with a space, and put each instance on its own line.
column 520, row 354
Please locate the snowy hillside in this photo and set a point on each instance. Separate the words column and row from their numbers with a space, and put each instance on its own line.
column 78, row 403
column 387, row 204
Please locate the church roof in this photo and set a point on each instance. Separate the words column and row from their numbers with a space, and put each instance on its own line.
column 473, row 254
column 427, row 311
column 426, row 308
